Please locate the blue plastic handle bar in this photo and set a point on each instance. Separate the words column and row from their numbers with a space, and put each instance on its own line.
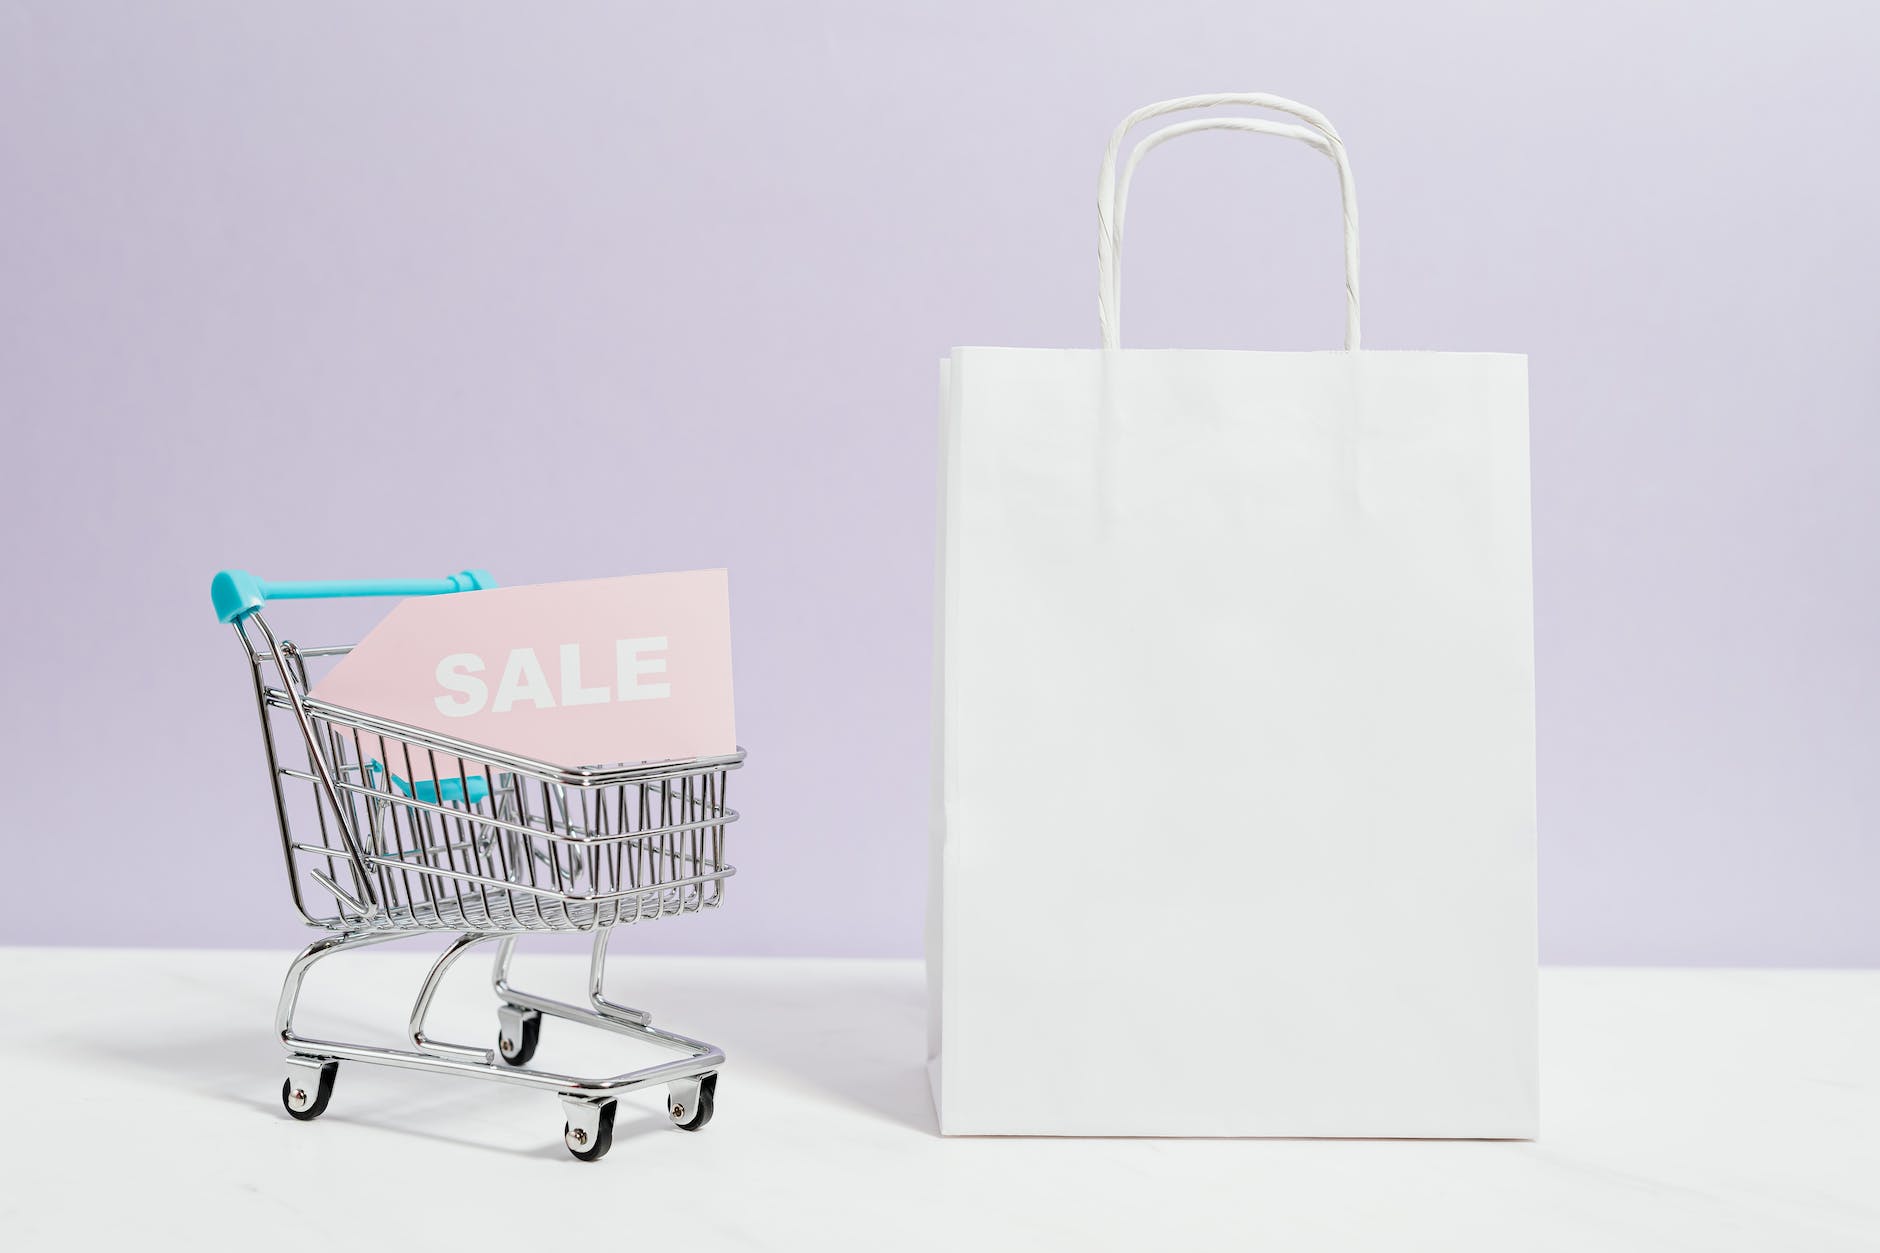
column 237, row 593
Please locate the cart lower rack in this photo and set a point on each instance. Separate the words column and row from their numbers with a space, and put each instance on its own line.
column 390, row 831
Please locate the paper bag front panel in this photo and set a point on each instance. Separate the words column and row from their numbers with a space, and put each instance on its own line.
column 1234, row 803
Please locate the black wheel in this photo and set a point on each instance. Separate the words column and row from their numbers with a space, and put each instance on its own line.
column 294, row 1097
column 602, row 1140
column 517, row 1052
column 695, row 1119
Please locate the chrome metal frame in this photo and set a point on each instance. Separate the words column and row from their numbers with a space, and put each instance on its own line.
column 420, row 833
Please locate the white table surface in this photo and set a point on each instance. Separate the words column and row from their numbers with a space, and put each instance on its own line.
column 1702, row 1110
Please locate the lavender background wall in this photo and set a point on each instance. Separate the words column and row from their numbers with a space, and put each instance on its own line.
column 576, row 289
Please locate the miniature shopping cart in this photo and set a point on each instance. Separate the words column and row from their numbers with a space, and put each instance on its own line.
column 407, row 832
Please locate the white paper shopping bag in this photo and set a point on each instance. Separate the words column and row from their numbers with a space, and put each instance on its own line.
column 1234, row 747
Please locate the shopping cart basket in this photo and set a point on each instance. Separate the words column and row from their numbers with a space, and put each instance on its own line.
column 391, row 831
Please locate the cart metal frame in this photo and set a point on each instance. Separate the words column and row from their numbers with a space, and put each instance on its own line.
column 421, row 834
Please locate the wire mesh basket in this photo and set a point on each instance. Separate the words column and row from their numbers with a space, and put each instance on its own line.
column 455, row 838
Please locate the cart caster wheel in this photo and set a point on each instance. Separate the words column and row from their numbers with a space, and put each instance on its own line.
column 518, row 1033
column 695, row 1117
column 303, row 1104
column 591, row 1145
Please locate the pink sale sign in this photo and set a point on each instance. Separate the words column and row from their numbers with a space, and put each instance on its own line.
column 591, row 673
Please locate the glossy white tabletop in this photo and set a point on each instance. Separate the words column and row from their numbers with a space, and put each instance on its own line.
column 1708, row 1111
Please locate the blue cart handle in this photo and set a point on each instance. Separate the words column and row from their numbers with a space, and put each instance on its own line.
column 237, row 593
